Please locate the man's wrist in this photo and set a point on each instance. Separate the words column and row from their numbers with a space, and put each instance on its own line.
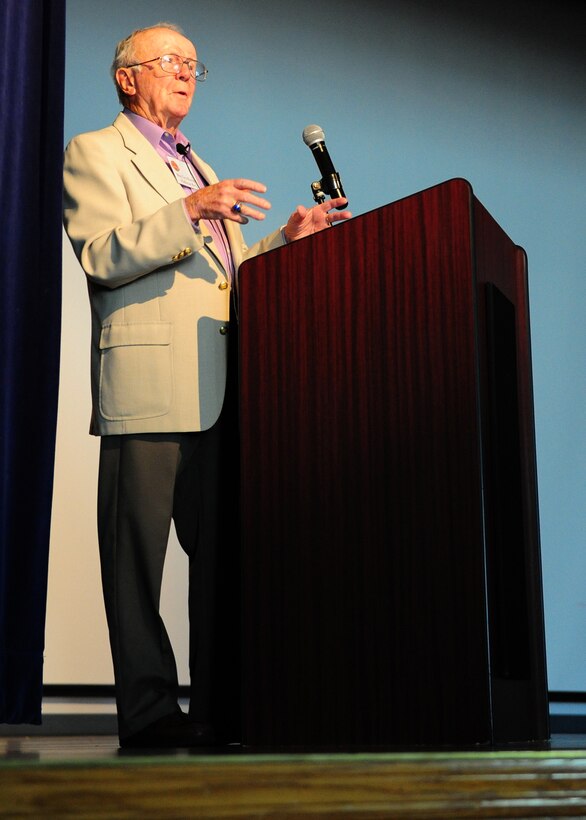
column 194, row 221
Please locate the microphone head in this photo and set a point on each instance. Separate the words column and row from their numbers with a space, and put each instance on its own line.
column 312, row 134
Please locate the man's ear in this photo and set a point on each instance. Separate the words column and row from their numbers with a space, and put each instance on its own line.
column 125, row 80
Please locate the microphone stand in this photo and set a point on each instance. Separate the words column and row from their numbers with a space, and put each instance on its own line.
column 317, row 192
column 330, row 185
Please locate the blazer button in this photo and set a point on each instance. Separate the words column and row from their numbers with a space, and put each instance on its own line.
column 223, row 285
column 223, row 330
column 181, row 255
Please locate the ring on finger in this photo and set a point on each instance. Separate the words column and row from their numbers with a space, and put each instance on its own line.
column 237, row 207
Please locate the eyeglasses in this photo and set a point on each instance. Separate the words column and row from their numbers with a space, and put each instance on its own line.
column 173, row 63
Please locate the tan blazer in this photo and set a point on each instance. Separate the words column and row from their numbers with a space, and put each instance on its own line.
column 159, row 294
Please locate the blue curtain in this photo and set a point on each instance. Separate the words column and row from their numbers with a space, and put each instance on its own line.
column 32, row 58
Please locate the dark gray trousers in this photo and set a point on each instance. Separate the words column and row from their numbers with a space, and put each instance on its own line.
column 145, row 481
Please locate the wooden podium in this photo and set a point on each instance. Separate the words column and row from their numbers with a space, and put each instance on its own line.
column 391, row 569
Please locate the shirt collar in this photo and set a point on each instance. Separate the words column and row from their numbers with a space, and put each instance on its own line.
column 157, row 136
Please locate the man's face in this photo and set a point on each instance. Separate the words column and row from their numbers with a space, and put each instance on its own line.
column 160, row 97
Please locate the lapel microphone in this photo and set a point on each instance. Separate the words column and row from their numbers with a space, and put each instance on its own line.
column 183, row 150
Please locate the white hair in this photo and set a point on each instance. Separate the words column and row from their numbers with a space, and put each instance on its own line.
column 125, row 53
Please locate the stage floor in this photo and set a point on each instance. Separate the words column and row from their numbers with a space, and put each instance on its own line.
column 89, row 777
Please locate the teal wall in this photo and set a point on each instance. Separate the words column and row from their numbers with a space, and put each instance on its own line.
column 409, row 96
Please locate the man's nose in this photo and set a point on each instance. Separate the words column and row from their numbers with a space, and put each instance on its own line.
column 184, row 72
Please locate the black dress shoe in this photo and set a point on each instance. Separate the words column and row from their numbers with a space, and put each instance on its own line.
column 170, row 731
column 204, row 733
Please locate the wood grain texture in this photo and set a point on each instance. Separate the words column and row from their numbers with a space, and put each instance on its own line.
column 460, row 785
column 364, row 593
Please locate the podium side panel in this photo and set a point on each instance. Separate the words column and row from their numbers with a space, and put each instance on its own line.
column 518, row 676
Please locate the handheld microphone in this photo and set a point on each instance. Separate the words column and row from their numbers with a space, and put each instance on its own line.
column 330, row 183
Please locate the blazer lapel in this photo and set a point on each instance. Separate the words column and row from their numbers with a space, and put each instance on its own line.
column 147, row 161
column 233, row 233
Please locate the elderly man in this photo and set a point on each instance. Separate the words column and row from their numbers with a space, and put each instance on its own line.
column 159, row 239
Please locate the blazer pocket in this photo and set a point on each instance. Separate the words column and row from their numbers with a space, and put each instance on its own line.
column 136, row 370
